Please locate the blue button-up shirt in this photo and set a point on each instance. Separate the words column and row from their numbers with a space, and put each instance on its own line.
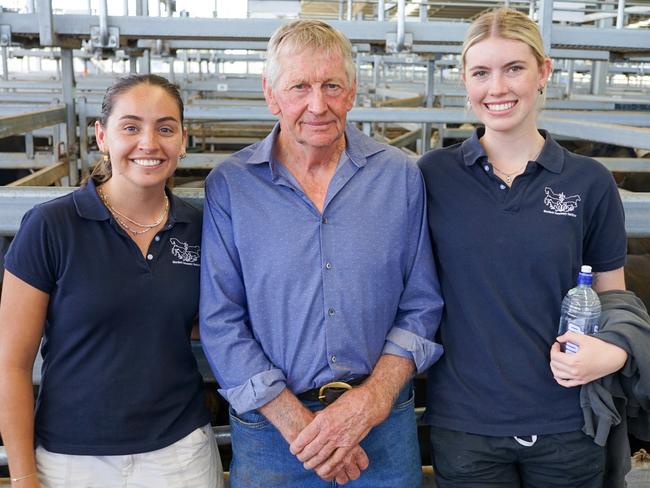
column 292, row 297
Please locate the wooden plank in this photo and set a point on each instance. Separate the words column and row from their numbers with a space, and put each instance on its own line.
column 44, row 177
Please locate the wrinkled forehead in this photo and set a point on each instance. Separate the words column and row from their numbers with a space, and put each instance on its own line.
column 312, row 65
column 293, row 48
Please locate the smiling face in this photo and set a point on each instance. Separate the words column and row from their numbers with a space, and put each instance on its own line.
column 502, row 78
column 143, row 136
column 311, row 98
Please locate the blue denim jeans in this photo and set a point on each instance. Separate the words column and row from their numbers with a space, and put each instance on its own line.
column 261, row 457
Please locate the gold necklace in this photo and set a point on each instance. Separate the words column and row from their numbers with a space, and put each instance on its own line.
column 518, row 170
column 117, row 214
column 510, row 175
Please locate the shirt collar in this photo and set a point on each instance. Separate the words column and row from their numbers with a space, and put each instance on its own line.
column 90, row 206
column 357, row 146
column 551, row 157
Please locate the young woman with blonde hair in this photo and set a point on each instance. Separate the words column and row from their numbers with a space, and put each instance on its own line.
column 507, row 251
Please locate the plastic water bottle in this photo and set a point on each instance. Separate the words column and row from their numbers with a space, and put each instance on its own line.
column 580, row 309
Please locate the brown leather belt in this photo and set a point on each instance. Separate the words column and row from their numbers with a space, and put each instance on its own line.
column 330, row 392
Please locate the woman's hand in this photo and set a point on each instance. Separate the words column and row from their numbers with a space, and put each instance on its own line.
column 594, row 359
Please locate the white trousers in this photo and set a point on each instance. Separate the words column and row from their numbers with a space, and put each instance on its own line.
column 192, row 462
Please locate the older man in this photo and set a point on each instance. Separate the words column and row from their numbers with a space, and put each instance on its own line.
column 318, row 288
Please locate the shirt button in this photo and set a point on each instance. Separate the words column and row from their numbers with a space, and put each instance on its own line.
column 502, row 186
column 333, row 359
column 486, row 168
column 149, row 257
column 324, row 220
column 328, row 265
column 157, row 238
column 330, row 311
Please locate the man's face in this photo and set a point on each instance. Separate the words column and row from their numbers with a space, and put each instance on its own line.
column 311, row 97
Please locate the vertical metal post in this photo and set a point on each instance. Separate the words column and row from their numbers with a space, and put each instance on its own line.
column 431, row 66
column 142, row 7
column 357, row 68
column 5, row 63
column 83, row 137
column 376, row 61
column 424, row 12
column 546, row 22
column 401, row 21
column 156, row 10
column 29, row 145
column 620, row 14
column 349, row 9
column 186, row 65
column 171, row 69
column 144, row 63
column 531, row 9
column 67, row 75
column 381, row 10
column 89, row 7
column 168, row 7
column 45, row 23
column 103, row 22
column 570, row 72
column 133, row 64
column 600, row 68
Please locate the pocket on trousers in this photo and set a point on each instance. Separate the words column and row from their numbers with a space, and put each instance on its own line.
column 194, row 450
column 409, row 403
column 249, row 420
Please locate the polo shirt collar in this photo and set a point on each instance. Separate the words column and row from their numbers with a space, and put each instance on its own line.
column 551, row 158
column 358, row 147
column 90, row 206
column 88, row 203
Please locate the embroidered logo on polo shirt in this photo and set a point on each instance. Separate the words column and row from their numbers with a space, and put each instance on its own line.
column 559, row 203
column 184, row 253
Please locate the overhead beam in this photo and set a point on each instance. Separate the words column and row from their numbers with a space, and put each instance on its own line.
column 78, row 27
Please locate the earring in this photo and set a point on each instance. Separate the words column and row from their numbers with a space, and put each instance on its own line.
column 106, row 158
column 540, row 90
column 182, row 155
column 468, row 103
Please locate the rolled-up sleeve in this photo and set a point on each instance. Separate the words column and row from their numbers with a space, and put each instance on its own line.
column 246, row 377
column 420, row 306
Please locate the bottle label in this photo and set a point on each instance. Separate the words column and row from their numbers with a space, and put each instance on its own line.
column 576, row 326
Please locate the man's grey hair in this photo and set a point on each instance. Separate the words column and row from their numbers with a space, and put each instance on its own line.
column 300, row 35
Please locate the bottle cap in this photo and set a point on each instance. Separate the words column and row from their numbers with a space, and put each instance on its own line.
column 585, row 276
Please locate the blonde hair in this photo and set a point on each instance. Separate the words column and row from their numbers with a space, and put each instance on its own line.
column 300, row 35
column 506, row 23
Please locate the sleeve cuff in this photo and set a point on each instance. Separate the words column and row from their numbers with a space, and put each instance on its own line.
column 256, row 391
column 403, row 343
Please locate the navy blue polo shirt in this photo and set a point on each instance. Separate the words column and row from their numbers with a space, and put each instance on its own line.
column 505, row 258
column 119, row 376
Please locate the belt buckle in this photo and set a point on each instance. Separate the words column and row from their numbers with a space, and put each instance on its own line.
column 334, row 385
